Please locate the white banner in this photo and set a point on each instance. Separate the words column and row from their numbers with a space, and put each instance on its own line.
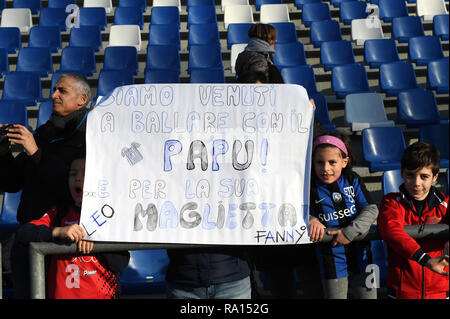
column 199, row 164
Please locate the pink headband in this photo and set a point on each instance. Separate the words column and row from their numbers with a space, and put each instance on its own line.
column 328, row 139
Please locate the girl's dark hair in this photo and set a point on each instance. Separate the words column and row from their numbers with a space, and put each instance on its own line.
column 347, row 142
column 419, row 155
column 263, row 31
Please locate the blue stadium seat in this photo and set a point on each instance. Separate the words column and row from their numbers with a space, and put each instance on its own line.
column 8, row 219
column 2, row 5
column 334, row 53
column 164, row 34
column 321, row 112
column 424, row 49
column 44, row 112
column 145, row 273
column 349, row 78
column 312, row 12
column 379, row 51
column 390, row 9
column 201, row 15
column 238, row 33
column 391, row 181
column 193, row 3
column 93, row 16
column 404, row 28
column 214, row 75
column 53, row 17
column 396, row 77
column 352, row 10
column 165, row 15
column 383, row 147
column 78, row 59
column 438, row 136
column 87, row 36
column 34, row 5
column 338, row 3
column 163, row 57
column 363, row 110
column 204, row 56
column 437, row 75
column 203, row 34
column 129, row 15
column 440, row 26
column 45, row 37
column 121, row 58
column 289, row 54
column 161, row 76
column 417, row 107
column 38, row 60
column 23, row 87
column 327, row 30
column 60, row 3
column 302, row 75
column 259, row 3
column 286, row 32
column 10, row 39
column 4, row 63
column 13, row 112
column 108, row 80
column 134, row 3
column 299, row 3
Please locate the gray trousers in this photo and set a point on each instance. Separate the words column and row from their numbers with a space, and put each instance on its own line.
column 338, row 288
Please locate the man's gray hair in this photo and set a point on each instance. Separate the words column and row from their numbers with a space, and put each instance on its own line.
column 81, row 83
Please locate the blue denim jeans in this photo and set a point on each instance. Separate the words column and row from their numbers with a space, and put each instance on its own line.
column 239, row 289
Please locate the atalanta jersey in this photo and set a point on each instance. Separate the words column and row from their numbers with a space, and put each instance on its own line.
column 336, row 205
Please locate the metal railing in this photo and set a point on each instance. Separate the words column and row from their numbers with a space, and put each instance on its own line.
column 39, row 250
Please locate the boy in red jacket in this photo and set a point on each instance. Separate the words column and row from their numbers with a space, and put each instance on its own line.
column 416, row 268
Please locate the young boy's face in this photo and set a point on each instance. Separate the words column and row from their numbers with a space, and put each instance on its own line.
column 76, row 181
column 418, row 182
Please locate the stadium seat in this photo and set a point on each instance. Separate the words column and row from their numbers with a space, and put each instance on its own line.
column 121, row 58
column 108, row 80
column 145, row 273
column 78, row 59
column 352, row 10
column 204, row 56
column 424, row 49
column 273, row 13
column 383, row 147
column 437, row 75
column 87, row 36
column 338, row 3
column 165, row 15
column 365, row 29
column 302, row 75
column 34, row 5
column 53, row 17
column 129, row 15
column 289, row 54
column 437, row 135
column 299, row 3
column 163, row 57
column 315, row 12
column 238, row 33
column 333, row 53
column 259, row 3
column 202, row 34
column 237, row 14
column 326, row 30
column 225, row 3
column 161, row 76
column 2, row 5
column 107, row 4
column 391, row 181
column 125, row 35
column 201, row 15
column 23, row 87
column 167, row 3
column 37, row 60
column 235, row 50
column 4, row 63
column 60, row 3
column 379, row 51
column 45, row 37
column 95, row 16
column 390, row 9
column 194, row 3
column 440, row 26
column 396, row 77
column 214, row 75
column 429, row 8
column 404, row 28
column 321, row 112
column 13, row 112
column 10, row 39
column 349, row 78
column 17, row 17
column 164, row 34
column 134, row 3
column 417, row 107
column 8, row 215
column 44, row 112
column 363, row 110
column 286, row 32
